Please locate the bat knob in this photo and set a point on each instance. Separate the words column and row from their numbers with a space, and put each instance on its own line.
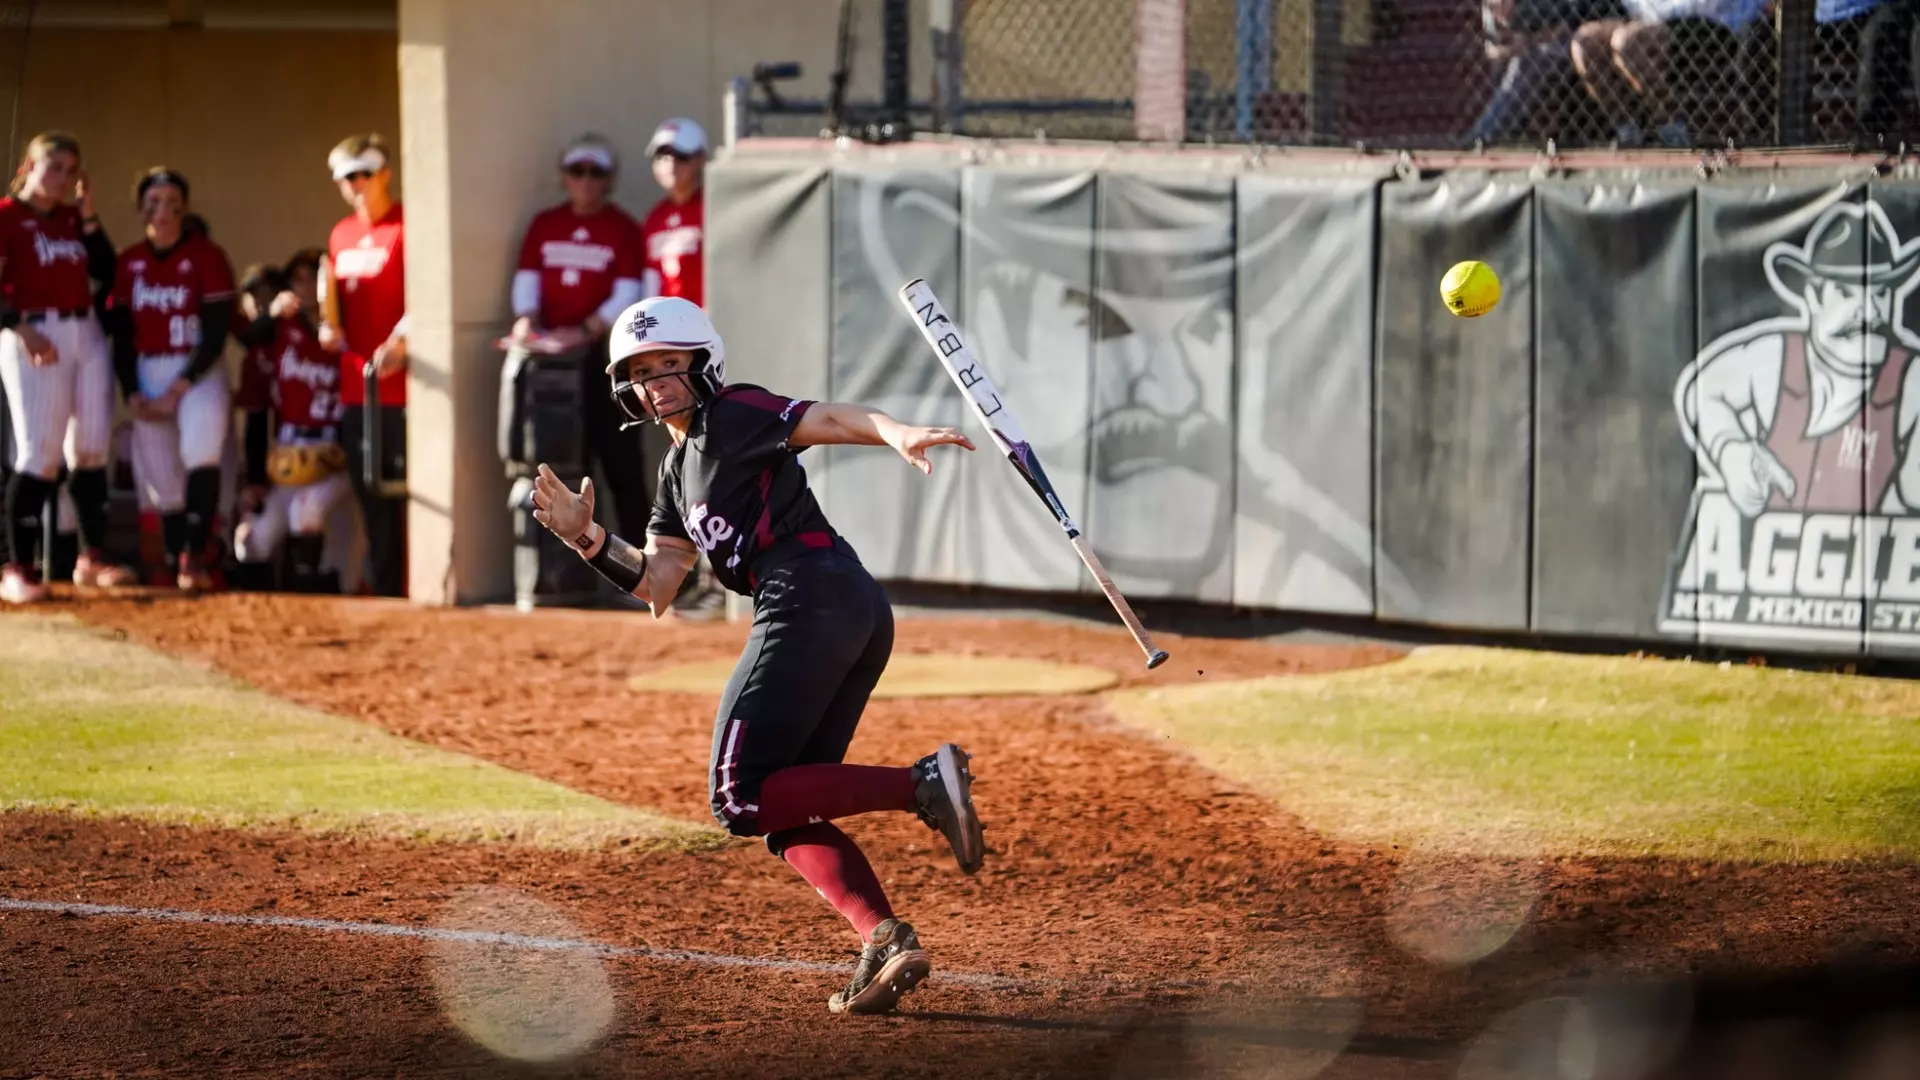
column 1159, row 657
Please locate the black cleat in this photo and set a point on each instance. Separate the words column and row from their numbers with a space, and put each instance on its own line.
column 943, row 798
column 892, row 966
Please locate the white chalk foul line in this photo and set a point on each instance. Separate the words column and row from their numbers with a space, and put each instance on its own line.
column 480, row 937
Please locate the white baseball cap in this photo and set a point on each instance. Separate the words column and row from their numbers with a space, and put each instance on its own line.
column 680, row 135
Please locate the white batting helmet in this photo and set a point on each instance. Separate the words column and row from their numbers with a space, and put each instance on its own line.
column 659, row 323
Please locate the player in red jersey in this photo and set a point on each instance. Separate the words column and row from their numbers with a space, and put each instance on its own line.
column 171, row 313
column 674, row 231
column 580, row 267
column 304, row 434
column 369, row 264
column 54, row 363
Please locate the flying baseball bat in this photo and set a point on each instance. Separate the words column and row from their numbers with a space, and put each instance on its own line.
column 971, row 377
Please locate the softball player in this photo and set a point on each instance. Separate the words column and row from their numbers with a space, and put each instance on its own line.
column 171, row 312
column 732, row 488
column 53, row 361
column 306, row 464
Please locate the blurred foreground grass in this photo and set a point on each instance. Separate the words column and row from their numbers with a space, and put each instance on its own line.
column 93, row 725
column 1513, row 752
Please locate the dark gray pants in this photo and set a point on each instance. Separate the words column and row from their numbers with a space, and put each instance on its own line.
column 386, row 519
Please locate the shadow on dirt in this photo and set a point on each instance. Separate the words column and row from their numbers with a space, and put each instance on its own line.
column 1861, row 1022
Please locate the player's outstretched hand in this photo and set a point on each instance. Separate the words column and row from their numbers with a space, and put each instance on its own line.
column 559, row 509
column 913, row 443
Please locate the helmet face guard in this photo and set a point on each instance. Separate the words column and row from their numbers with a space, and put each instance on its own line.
column 631, row 394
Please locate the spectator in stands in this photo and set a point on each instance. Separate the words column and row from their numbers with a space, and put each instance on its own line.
column 1642, row 69
column 1878, row 36
column 1529, row 44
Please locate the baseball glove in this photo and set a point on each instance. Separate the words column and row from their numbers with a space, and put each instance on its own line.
column 299, row 464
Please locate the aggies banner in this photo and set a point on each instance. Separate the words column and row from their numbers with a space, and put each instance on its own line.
column 1799, row 410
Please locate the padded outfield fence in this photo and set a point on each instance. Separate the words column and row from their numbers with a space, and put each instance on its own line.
column 1413, row 74
column 1692, row 417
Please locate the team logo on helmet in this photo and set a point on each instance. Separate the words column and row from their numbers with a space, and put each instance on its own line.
column 642, row 322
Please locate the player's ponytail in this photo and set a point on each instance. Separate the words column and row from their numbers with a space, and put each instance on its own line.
column 47, row 142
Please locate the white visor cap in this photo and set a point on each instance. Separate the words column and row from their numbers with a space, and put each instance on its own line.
column 368, row 160
column 680, row 135
column 589, row 153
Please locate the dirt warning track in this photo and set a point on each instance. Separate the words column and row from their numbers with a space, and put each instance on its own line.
column 1137, row 916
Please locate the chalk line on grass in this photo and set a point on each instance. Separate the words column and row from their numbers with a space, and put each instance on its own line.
column 483, row 937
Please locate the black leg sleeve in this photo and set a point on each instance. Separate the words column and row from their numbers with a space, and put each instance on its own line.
column 173, row 532
column 303, row 562
column 89, row 490
column 26, row 502
column 259, row 435
column 203, row 502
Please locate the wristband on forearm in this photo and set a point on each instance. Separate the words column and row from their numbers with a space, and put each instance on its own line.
column 619, row 562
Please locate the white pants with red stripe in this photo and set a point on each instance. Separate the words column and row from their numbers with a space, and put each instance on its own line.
column 195, row 437
column 64, row 409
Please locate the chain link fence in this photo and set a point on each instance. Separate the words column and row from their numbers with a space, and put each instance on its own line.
column 1414, row 74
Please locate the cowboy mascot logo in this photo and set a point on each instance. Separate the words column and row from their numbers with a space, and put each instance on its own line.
column 1800, row 526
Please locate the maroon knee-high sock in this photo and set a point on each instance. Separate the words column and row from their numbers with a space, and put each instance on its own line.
column 832, row 863
column 800, row 794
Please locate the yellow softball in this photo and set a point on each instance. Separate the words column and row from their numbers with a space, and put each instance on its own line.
column 1471, row 289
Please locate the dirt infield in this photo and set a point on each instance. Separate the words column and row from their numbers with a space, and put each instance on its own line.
column 1129, row 895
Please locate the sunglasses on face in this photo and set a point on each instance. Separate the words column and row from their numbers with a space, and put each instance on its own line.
column 579, row 172
column 676, row 155
column 358, row 175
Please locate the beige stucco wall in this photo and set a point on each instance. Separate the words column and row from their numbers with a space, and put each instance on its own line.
column 489, row 91
column 248, row 116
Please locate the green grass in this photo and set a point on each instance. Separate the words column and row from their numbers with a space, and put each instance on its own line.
column 1511, row 752
column 93, row 725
